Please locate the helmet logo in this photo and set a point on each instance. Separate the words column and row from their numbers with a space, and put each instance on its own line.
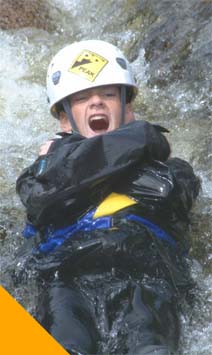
column 88, row 65
column 56, row 77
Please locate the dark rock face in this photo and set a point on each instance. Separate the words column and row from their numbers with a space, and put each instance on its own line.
column 177, row 41
column 16, row 14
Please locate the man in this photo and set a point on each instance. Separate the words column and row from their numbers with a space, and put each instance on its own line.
column 108, row 212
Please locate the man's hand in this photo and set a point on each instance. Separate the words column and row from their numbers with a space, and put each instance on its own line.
column 45, row 147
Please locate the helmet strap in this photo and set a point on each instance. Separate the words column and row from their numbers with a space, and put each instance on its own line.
column 123, row 104
column 67, row 109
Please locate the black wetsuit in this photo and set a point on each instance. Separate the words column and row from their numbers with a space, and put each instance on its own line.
column 112, row 290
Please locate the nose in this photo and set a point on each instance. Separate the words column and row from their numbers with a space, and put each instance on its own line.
column 96, row 100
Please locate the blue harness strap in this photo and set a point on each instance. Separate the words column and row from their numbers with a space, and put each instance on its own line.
column 55, row 238
column 157, row 231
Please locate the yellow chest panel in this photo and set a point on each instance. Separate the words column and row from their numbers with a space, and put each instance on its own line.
column 113, row 203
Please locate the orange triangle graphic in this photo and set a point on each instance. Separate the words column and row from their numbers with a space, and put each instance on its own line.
column 20, row 333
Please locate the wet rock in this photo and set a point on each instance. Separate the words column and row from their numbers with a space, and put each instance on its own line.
column 177, row 40
column 16, row 14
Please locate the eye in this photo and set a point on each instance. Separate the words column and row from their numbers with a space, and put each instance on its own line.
column 110, row 93
column 79, row 98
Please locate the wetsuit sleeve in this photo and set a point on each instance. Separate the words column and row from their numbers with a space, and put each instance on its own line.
column 165, row 193
column 74, row 164
column 186, row 183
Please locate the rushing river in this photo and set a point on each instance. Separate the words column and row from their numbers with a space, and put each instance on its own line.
column 169, row 44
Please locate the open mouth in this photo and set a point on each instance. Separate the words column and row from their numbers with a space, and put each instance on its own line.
column 99, row 123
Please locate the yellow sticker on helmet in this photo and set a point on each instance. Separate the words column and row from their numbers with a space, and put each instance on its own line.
column 88, row 65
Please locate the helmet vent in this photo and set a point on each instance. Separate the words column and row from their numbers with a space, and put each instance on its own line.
column 56, row 77
column 122, row 63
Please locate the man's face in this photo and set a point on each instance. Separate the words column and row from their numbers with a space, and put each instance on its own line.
column 97, row 110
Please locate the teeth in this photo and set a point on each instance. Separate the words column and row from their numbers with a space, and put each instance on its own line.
column 94, row 118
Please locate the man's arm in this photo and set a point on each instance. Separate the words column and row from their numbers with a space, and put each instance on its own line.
column 74, row 164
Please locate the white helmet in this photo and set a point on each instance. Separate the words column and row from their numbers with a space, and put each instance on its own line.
column 87, row 64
